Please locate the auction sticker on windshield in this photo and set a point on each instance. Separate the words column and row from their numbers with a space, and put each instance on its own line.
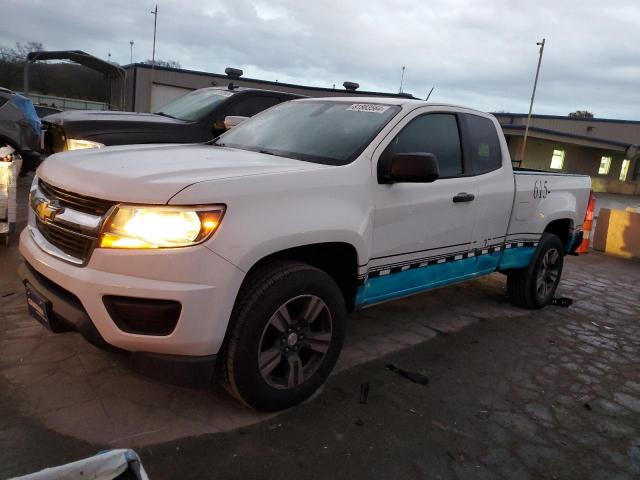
column 368, row 107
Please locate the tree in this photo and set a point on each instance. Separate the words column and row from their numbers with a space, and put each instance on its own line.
column 581, row 114
column 164, row 63
column 18, row 53
column 59, row 78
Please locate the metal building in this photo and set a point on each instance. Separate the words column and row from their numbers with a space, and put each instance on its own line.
column 606, row 149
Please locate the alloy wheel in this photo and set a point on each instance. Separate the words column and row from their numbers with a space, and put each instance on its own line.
column 294, row 342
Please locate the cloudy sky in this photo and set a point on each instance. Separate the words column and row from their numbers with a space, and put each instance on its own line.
column 479, row 53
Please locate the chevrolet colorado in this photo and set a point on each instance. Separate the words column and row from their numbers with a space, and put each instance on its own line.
column 239, row 259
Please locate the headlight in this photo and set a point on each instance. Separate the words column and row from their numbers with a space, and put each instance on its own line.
column 159, row 227
column 77, row 144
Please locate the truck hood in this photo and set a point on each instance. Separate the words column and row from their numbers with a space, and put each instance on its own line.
column 82, row 123
column 154, row 173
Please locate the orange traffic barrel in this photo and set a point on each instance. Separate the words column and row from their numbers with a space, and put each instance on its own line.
column 588, row 224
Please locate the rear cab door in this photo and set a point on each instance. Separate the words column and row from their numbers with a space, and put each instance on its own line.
column 421, row 237
column 488, row 155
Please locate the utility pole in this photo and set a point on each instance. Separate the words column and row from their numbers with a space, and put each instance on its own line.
column 109, row 57
column 533, row 95
column 401, row 80
column 153, row 54
column 131, row 58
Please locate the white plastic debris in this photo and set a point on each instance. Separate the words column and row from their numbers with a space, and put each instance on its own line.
column 104, row 466
column 10, row 164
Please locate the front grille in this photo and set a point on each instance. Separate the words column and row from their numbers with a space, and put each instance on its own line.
column 71, row 243
column 75, row 235
column 81, row 203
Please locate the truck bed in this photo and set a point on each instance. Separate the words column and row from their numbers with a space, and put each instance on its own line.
column 543, row 197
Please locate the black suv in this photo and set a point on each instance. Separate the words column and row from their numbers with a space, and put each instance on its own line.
column 197, row 116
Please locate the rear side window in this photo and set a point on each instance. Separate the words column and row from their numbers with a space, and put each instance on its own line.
column 484, row 146
column 249, row 106
column 435, row 133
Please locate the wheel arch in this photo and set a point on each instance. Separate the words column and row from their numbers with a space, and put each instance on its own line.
column 338, row 259
column 563, row 229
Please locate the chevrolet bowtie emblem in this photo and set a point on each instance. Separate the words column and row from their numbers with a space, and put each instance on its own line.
column 47, row 210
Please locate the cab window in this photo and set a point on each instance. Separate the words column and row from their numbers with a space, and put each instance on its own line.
column 484, row 146
column 435, row 133
column 251, row 105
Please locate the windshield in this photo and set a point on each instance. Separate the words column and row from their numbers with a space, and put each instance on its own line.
column 194, row 105
column 327, row 132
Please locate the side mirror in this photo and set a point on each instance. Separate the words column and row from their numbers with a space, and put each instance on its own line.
column 411, row 168
column 233, row 121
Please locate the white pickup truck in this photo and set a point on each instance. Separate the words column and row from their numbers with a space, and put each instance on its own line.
column 247, row 252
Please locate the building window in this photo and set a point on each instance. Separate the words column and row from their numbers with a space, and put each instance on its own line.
column 605, row 165
column 557, row 160
column 625, row 169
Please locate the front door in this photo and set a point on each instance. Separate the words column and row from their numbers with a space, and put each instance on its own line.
column 422, row 238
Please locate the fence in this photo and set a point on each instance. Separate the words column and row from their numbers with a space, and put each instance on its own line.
column 63, row 103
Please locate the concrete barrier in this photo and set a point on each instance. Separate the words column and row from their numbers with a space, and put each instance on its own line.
column 611, row 185
column 618, row 233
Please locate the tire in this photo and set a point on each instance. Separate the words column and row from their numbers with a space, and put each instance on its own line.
column 286, row 333
column 533, row 286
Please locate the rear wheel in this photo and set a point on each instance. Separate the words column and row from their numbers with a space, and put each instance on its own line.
column 534, row 286
column 286, row 334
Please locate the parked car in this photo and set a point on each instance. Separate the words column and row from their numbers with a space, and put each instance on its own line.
column 20, row 128
column 248, row 252
column 197, row 116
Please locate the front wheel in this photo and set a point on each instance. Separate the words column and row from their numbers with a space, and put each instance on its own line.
column 286, row 334
column 533, row 287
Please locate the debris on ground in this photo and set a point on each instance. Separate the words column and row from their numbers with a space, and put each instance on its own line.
column 415, row 377
column 364, row 392
column 561, row 301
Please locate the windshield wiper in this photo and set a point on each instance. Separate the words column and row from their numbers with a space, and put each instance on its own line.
column 165, row 115
column 267, row 152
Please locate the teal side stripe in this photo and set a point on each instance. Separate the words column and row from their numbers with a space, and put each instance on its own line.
column 400, row 284
column 415, row 280
column 516, row 257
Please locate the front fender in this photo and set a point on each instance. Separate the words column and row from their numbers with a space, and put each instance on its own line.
column 270, row 213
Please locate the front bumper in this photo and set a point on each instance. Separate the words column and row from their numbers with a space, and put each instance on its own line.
column 68, row 314
column 203, row 283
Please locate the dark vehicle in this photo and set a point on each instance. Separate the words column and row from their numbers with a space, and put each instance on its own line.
column 197, row 116
column 20, row 127
column 44, row 110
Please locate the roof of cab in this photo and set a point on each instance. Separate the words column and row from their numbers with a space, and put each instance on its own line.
column 416, row 102
column 238, row 89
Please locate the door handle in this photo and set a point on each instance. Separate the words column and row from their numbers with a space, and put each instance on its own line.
column 463, row 197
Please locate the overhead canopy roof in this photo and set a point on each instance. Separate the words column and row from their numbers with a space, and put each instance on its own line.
column 555, row 135
column 78, row 56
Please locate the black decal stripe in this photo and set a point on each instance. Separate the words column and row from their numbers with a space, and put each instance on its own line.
column 383, row 270
column 420, row 251
column 421, row 259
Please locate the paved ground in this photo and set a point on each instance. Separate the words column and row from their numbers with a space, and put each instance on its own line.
column 512, row 394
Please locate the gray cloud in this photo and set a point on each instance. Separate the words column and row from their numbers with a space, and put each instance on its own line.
column 477, row 53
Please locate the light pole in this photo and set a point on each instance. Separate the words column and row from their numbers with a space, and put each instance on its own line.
column 401, row 80
column 533, row 95
column 153, row 55
column 131, row 59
